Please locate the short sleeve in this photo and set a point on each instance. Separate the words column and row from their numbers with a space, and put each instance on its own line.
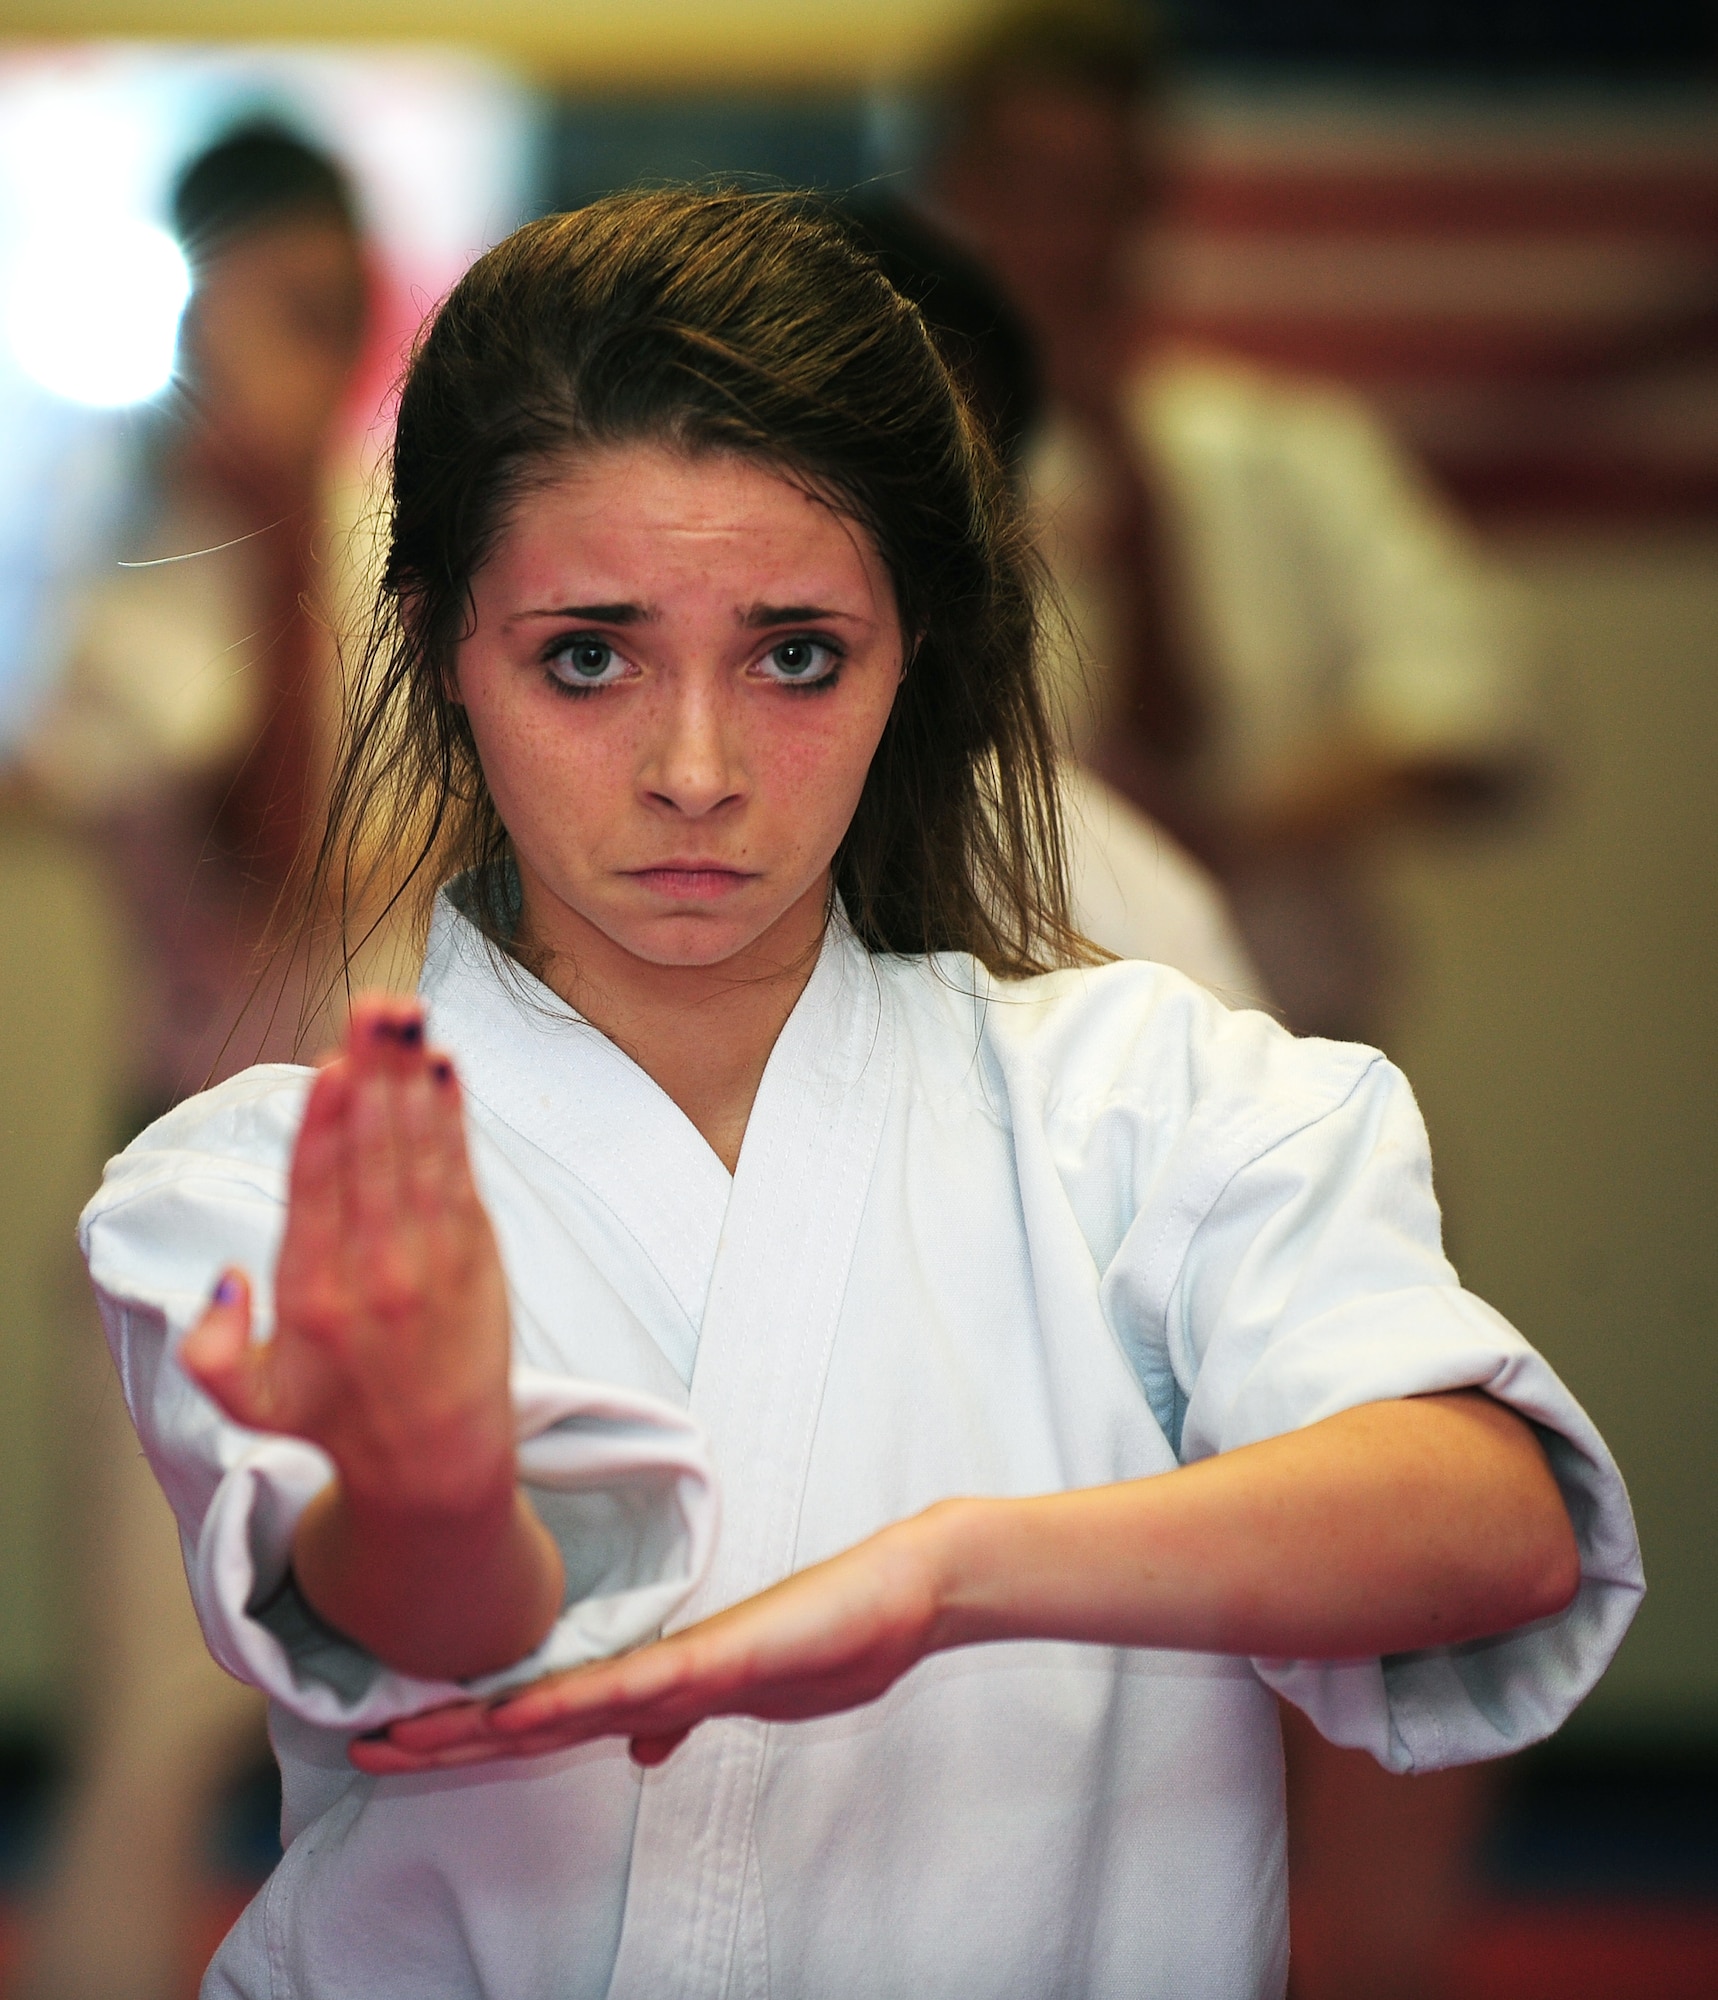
column 621, row 1480
column 1436, row 638
column 1314, row 1280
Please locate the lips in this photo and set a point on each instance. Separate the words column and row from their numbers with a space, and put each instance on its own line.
column 691, row 881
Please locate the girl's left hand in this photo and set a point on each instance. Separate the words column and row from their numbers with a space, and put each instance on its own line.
column 827, row 1638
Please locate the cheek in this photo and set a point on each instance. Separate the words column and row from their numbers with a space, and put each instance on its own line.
column 539, row 775
column 817, row 765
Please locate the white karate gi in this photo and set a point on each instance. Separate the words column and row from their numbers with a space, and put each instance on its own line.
column 983, row 1239
column 1328, row 601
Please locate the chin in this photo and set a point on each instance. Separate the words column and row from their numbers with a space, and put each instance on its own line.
column 690, row 941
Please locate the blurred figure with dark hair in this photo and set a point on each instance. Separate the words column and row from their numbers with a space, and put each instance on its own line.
column 188, row 731
column 189, row 736
column 1283, row 646
column 1136, row 891
column 1286, row 643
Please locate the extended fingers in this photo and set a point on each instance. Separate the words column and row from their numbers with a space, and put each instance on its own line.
column 438, row 1173
column 385, row 1045
column 654, row 1697
column 609, row 1698
column 392, row 1065
column 447, row 1738
column 316, row 1190
column 351, row 1209
column 660, row 1690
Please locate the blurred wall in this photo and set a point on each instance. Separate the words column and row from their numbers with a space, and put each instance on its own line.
column 1559, row 1031
column 60, row 995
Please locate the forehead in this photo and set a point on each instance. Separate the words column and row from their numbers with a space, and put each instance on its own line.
column 306, row 241
column 1056, row 119
column 643, row 514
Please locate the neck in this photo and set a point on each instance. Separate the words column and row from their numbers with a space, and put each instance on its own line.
column 702, row 1033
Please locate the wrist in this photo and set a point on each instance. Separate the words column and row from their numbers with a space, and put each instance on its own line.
column 466, row 1517
column 951, row 1546
column 464, row 1471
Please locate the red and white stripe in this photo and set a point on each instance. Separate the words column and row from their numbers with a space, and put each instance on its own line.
column 1528, row 283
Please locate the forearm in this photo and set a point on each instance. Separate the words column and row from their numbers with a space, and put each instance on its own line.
column 447, row 1595
column 1352, row 791
column 1388, row 1528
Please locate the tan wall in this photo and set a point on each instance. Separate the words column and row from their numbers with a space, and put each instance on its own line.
column 1561, row 1039
column 1560, row 1035
column 59, row 995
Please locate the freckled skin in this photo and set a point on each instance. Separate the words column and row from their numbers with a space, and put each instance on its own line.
column 696, row 750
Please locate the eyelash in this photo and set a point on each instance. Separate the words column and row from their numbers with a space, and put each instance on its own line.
column 559, row 648
column 826, row 679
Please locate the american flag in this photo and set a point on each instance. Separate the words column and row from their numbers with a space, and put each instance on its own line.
column 1525, row 275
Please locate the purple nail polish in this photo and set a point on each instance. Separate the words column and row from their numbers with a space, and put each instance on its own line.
column 442, row 1070
column 227, row 1291
column 408, row 1034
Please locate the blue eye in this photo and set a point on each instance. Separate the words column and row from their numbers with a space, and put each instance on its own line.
column 585, row 662
column 801, row 662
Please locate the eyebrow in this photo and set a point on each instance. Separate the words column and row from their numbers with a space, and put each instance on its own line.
column 593, row 614
column 762, row 615
column 758, row 617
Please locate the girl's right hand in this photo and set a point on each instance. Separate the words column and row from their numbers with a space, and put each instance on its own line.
column 391, row 1351
column 390, row 1347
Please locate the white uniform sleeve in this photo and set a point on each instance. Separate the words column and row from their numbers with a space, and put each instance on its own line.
column 621, row 1480
column 1313, row 1280
column 1434, row 637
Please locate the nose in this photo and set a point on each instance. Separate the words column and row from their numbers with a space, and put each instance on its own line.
column 691, row 766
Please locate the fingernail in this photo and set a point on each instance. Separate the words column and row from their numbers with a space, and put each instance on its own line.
column 227, row 1290
column 442, row 1070
column 409, row 1034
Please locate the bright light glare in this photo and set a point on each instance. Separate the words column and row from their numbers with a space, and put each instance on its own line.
column 92, row 312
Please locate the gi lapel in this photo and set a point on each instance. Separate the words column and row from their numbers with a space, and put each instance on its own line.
column 781, row 1274
column 531, row 1061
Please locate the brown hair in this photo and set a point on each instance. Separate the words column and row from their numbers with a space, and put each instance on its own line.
column 730, row 322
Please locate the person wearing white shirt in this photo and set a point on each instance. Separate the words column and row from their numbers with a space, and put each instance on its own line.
column 1279, row 638
column 994, row 1370
column 187, row 734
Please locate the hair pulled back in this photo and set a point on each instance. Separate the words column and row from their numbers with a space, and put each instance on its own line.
column 719, row 321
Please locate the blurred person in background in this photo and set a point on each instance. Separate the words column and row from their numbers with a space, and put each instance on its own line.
column 189, row 736
column 1283, row 646
column 1136, row 891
